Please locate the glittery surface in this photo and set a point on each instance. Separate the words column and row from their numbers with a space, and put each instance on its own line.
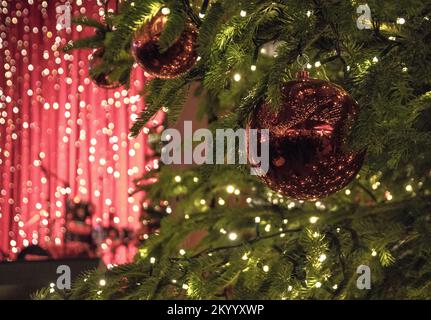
column 307, row 137
column 178, row 59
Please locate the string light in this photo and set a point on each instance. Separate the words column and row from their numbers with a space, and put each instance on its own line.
column 233, row 236
column 230, row 189
column 102, row 282
column 265, row 268
column 182, row 252
column 313, row 219
column 237, row 77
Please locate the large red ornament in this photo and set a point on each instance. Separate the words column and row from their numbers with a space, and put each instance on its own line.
column 307, row 135
column 178, row 59
column 101, row 80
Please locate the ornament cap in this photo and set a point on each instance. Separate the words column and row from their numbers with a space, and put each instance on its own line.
column 303, row 74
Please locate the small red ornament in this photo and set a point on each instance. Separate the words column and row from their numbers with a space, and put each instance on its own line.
column 178, row 59
column 307, row 137
column 101, row 80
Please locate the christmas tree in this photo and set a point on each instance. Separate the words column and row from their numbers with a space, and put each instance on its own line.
column 253, row 239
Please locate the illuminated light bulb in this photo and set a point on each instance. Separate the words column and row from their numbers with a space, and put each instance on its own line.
column 309, row 13
column 401, row 20
column 237, row 192
column 313, row 219
column 223, row 231
column 166, row 11
column 322, row 257
column 233, row 236
column 373, row 253
column 268, row 228
column 182, row 252
column 335, row 287
column 201, row 15
column 52, row 290
column 244, row 257
column 186, row 217
column 177, row 179
column 248, row 200
column 185, row 286
column 195, row 179
column 102, row 282
column 230, row 189
column 202, row 202
column 174, row 281
column 285, row 221
column 221, row 201
column 309, row 66
column 253, row 67
column 375, row 59
column 318, row 284
column 388, row 196
column 347, row 192
column 257, row 220
column 409, row 188
column 405, row 69
column 243, row 13
column 237, row 77
column 52, row 284
column 317, row 64
column 265, row 268
column 289, row 288
column 152, row 260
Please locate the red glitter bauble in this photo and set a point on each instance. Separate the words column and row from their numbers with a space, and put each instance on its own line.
column 101, row 80
column 307, row 136
column 176, row 60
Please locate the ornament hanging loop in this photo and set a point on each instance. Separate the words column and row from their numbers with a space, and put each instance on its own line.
column 303, row 60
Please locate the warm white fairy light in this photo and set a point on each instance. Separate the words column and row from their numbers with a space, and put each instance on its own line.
column 177, row 179
column 195, row 179
column 375, row 59
column 253, row 67
column 102, row 282
column 152, row 260
column 244, row 257
column 202, row 202
column 373, row 253
column 347, row 192
column 201, row 15
column 230, row 189
column 243, row 13
column 401, row 20
column 166, row 11
column 182, row 252
column 233, row 236
column 322, row 257
column 237, row 77
column 185, row 286
column 265, row 268
column 317, row 64
column 268, row 228
column 313, row 219
column 221, row 201
column 257, row 219
column 409, row 188
column 318, row 284
column 237, row 192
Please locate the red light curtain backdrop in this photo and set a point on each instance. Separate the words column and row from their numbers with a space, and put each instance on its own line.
column 52, row 116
